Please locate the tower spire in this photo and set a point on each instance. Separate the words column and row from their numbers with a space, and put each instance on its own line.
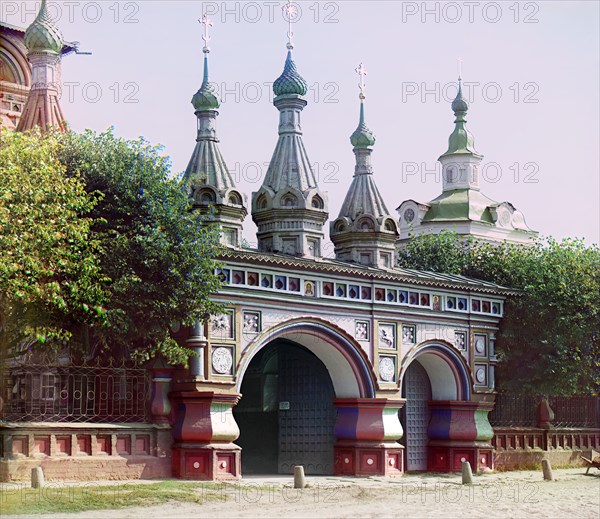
column 364, row 232
column 208, row 180
column 45, row 44
column 461, row 160
column 289, row 209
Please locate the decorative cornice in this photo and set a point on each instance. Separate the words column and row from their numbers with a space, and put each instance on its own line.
column 324, row 266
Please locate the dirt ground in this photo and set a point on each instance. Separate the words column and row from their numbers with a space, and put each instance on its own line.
column 507, row 495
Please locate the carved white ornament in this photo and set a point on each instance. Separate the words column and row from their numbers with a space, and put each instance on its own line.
column 251, row 320
column 386, row 336
column 386, row 369
column 362, row 331
column 221, row 326
column 408, row 334
column 222, row 361
column 480, row 344
column 460, row 341
column 480, row 375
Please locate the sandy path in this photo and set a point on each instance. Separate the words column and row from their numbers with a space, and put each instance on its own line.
column 506, row 495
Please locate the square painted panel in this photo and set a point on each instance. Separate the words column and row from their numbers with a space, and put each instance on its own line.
column 387, row 336
column 362, row 330
column 252, row 322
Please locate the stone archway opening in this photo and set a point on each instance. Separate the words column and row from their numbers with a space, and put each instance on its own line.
column 286, row 415
column 434, row 375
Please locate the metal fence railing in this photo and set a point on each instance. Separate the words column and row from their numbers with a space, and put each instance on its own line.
column 519, row 410
column 94, row 393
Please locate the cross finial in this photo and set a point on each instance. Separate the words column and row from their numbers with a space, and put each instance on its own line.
column 291, row 11
column 362, row 72
column 207, row 22
column 459, row 63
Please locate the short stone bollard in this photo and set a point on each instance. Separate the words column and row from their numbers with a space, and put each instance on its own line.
column 547, row 470
column 467, row 473
column 37, row 477
column 299, row 478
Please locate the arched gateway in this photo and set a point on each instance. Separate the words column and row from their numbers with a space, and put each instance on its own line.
column 298, row 324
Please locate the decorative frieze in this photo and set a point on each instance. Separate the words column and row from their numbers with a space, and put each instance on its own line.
column 282, row 282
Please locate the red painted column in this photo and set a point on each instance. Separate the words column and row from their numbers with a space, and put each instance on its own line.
column 367, row 430
column 160, row 405
column 204, row 429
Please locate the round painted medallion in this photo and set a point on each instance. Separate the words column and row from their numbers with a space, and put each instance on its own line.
column 222, row 361
column 479, row 344
column 409, row 215
column 480, row 375
column 386, row 369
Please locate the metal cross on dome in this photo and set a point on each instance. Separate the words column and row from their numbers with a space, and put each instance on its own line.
column 459, row 62
column 291, row 10
column 207, row 22
column 362, row 72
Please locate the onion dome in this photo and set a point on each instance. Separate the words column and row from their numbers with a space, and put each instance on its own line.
column 205, row 98
column 459, row 104
column 461, row 141
column 362, row 136
column 290, row 82
column 42, row 35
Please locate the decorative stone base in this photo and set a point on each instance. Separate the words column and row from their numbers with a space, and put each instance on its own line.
column 207, row 462
column 91, row 468
column 448, row 456
column 369, row 459
column 84, row 452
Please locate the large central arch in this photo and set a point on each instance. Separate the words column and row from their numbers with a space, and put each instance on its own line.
column 348, row 365
column 291, row 379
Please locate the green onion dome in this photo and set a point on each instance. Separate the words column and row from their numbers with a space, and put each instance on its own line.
column 205, row 98
column 362, row 136
column 42, row 35
column 290, row 82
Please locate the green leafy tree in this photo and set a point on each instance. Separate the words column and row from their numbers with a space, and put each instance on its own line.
column 158, row 255
column 549, row 340
column 50, row 274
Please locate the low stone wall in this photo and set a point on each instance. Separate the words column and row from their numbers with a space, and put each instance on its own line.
column 525, row 447
column 532, row 459
column 84, row 452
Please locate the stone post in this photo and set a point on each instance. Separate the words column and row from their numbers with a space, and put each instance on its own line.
column 545, row 414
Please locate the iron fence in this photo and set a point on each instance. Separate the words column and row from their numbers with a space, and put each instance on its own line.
column 517, row 410
column 41, row 392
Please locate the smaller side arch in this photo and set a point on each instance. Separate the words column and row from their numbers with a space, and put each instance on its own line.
column 448, row 371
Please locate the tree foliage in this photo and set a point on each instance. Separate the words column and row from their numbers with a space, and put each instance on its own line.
column 50, row 273
column 549, row 340
column 99, row 248
column 158, row 254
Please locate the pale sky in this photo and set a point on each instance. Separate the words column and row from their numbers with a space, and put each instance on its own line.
column 533, row 68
